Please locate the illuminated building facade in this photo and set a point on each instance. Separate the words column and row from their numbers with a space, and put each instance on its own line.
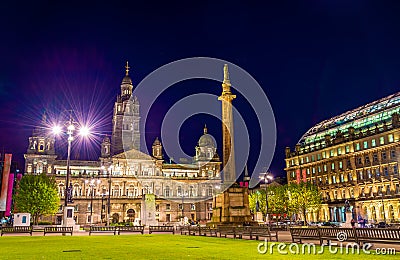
column 125, row 174
column 353, row 156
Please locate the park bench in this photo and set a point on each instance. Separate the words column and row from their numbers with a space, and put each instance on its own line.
column 260, row 231
column 62, row 230
column 304, row 233
column 16, row 229
column 227, row 231
column 162, row 229
column 385, row 235
column 337, row 233
column 131, row 229
column 102, row 229
column 185, row 230
column 204, row 231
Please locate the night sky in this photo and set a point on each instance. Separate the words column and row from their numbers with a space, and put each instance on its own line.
column 314, row 60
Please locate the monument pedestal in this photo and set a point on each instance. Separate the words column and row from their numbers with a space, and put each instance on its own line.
column 232, row 207
column 68, row 220
column 258, row 217
column 148, row 210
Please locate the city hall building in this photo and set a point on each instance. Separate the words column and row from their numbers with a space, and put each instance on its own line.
column 353, row 156
column 113, row 187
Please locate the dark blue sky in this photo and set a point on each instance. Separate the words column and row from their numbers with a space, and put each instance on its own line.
column 314, row 59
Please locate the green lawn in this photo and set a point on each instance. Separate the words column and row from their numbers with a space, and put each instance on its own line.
column 160, row 246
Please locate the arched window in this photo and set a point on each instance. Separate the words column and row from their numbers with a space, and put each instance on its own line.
column 75, row 191
column 210, row 191
column 167, row 191
column 116, row 190
column 391, row 212
column 130, row 190
column 61, row 190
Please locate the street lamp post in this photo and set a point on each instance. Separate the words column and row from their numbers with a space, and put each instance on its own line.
column 91, row 186
column 109, row 195
column 383, row 207
column 183, row 205
column 266, row 177
column 83, row 131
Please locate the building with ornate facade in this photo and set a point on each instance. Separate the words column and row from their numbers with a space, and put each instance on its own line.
column 113, row 186
column 353, row 156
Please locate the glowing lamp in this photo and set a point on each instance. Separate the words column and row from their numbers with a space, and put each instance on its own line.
column 84, row 131
column 56, row 130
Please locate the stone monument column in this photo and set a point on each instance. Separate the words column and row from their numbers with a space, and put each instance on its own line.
column 228, row 149
column 232, row 206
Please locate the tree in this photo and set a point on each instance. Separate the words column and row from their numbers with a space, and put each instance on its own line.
column 288, row 199
column 277, row 199
column 303, row 197
column 37, row 195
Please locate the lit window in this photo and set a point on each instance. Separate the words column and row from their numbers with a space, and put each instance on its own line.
column 324, row 155
column 331, row 153
column 381, row 140
column 361, row 175
column 377, row 173
column 340, row 165
column 319, row 156
column 312, row 158
column 365, row 144
column 339, row 151
column 167, row 191
column 390, row 138
column 333, row 179
column 333, row 166
column 357, row 146
column 373, row 142
column 324, row 167
column 347, row 148
column 307, row 160
column 313, row 170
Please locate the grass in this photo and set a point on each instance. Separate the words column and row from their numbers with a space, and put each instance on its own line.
column 160, row 246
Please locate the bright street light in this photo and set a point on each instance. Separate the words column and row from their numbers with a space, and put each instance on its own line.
column 84, row 131
column 57, row 129
column 70, row 124
column 267, row 178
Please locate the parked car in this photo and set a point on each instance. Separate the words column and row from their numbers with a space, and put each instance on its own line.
column 382, row 225
column 329, row 224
